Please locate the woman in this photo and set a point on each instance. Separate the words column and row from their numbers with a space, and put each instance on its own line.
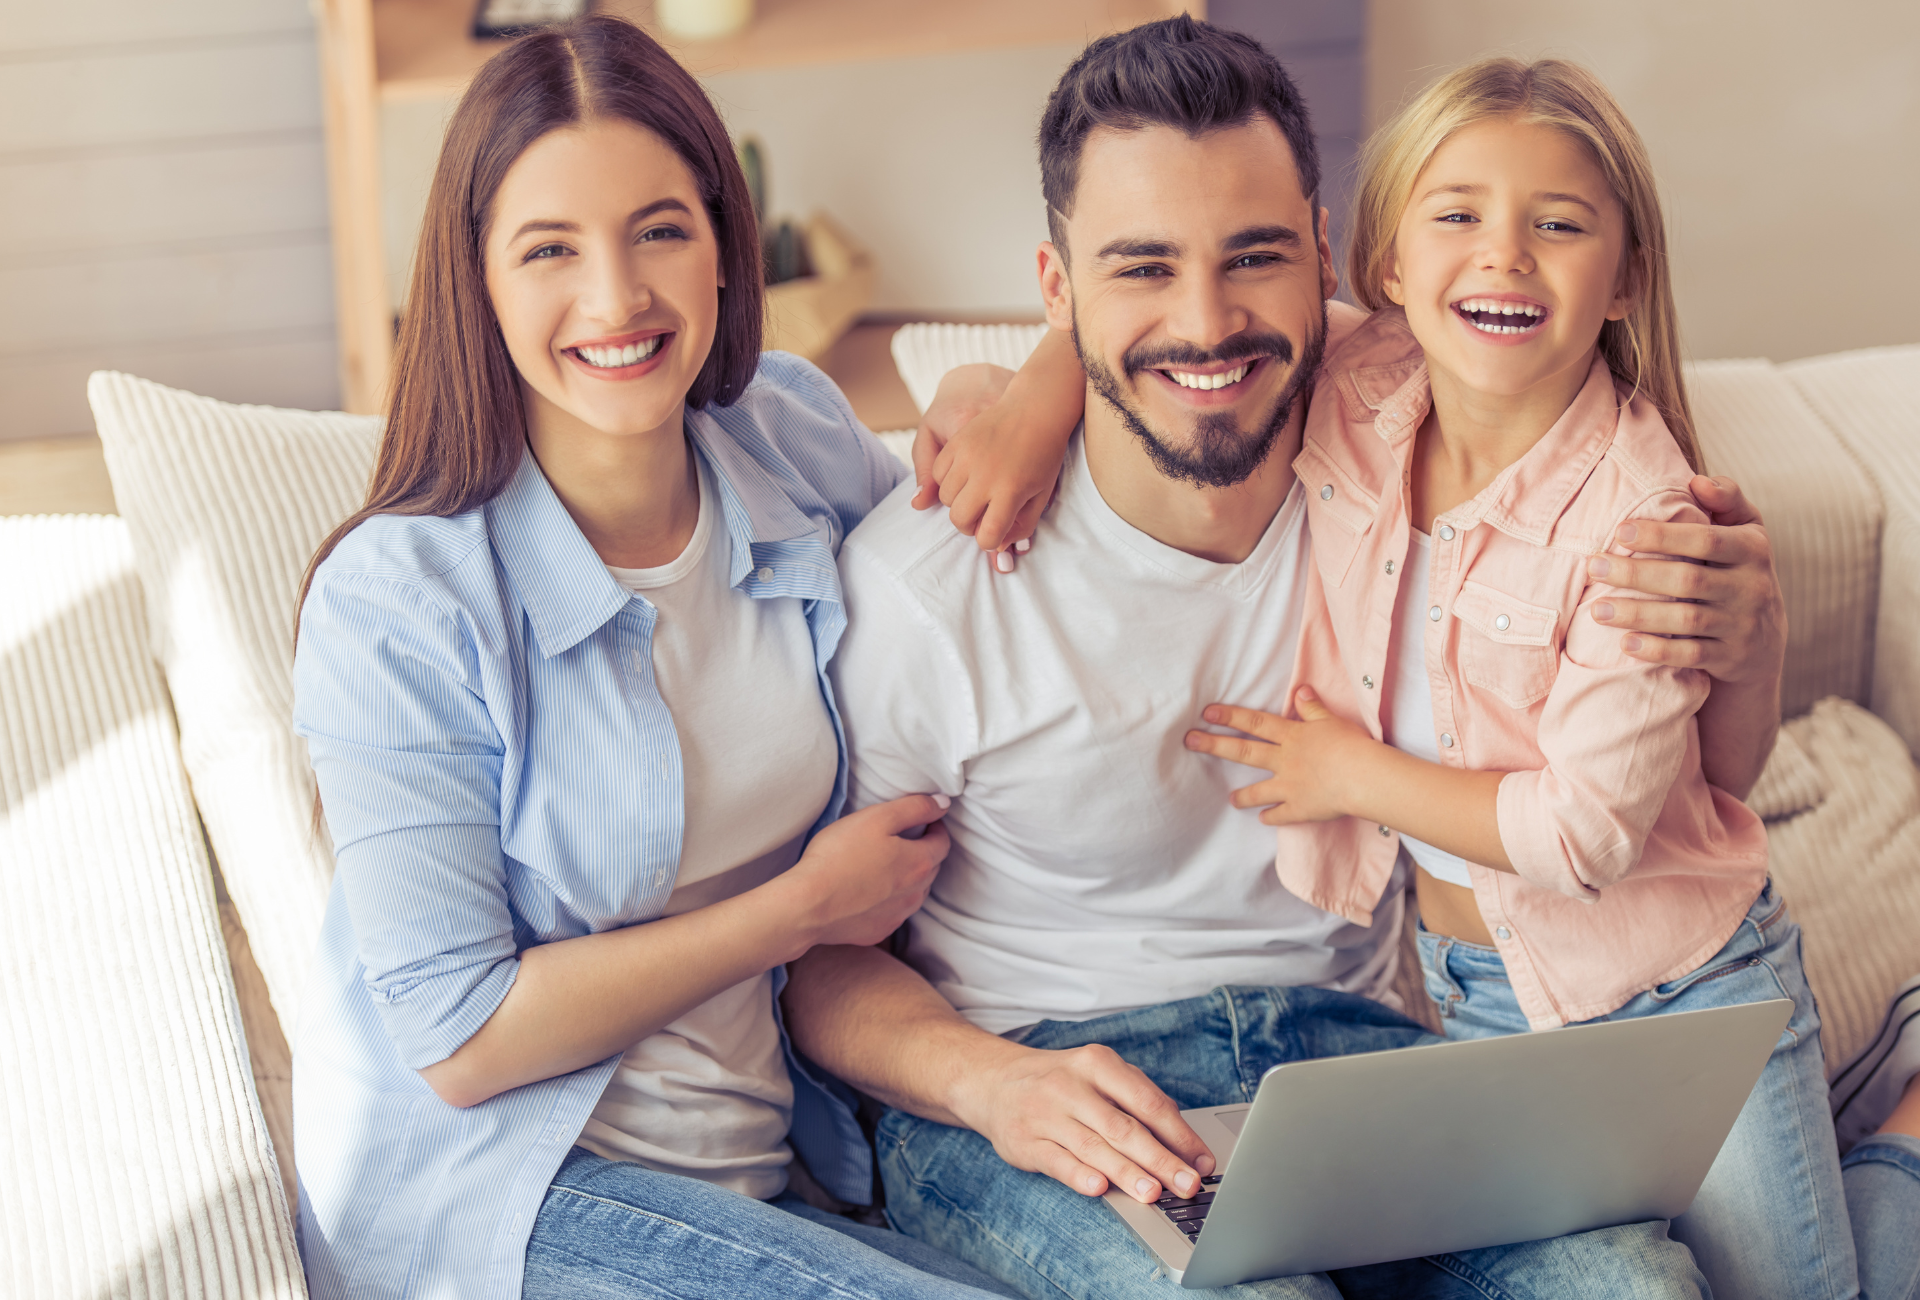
column 563, row 674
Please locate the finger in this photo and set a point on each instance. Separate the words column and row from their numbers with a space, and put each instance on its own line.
column 1709, row 542
column 926, row 449
column 1663, row 617
column 1021, row 529
column 909, row 811
column 1708, row 655
column 965, row 504
column 995, row 530
column 1722, row 498
column 1260, row 794
column 1666, row 577
column 937, row 841
column 1267, row 726
column 1163, row 1143
column 1235, row 749
column 1060, row 1164
column 1098, row 1149
column 1308, row 706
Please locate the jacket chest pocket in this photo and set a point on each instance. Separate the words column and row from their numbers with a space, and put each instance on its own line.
column 1339, row 514
column 1507, row 646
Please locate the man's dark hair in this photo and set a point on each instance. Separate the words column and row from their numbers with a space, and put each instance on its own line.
column 1178, row 72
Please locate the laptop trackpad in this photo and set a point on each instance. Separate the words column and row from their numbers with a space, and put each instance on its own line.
column 1235, row 1119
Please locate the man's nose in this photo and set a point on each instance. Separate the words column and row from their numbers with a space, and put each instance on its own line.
column 1205, row 312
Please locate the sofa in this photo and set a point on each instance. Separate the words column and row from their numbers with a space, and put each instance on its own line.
column 159, row 841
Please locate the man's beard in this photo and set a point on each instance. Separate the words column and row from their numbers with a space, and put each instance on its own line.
column 1222, row 454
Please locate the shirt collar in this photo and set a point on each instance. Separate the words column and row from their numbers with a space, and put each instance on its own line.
column 1528, row 497
column 560, row 579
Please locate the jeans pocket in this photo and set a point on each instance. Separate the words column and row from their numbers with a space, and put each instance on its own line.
column 1441, row 989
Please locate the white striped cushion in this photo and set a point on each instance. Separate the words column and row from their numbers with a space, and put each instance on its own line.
column 134, row 1160
column 226, row 505
column 922, row 353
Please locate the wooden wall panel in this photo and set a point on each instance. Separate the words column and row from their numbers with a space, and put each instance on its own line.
column 37, row 25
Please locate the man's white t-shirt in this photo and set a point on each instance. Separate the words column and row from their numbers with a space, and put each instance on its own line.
column 708, row 1096
column 1097, row 865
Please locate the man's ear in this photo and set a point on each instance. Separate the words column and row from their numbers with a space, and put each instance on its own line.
column 1056, row 288
column 1329, row 273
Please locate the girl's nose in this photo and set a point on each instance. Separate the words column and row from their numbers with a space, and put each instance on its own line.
column 1504, row 250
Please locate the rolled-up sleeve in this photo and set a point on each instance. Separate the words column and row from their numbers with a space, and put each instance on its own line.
column 1614, row 732
column 409, row 767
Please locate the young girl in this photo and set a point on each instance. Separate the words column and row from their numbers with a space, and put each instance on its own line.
column 1472, row 459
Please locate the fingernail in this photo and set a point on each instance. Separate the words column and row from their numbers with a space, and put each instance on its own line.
column 1603, row 611
column 1185, row 1182
column 1630, row 643
column 1024, row 545
column 1627, row 532
column 1599, row 567
column 1003, row 561
column 943, row 801
column 1092, row 1184
column 1204, row 1164
column 1193, row 740
column 1144, row 1189
column 1211, row 713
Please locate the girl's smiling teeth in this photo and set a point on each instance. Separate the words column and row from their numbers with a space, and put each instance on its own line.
column 612, row 358
column 1501, row 316
column 1187, row 379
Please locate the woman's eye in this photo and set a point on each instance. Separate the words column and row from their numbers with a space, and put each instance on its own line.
column 653, row 233
column 547, row 250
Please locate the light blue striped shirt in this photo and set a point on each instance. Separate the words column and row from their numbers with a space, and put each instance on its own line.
column 498, row 771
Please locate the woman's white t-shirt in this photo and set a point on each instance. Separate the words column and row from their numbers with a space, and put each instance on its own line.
column 708, row 1096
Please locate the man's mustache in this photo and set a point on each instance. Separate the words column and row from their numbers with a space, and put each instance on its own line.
column 1184, row 355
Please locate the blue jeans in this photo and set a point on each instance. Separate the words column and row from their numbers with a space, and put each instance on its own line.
column 613, row 1229
column 947, row 1187
column 1882, row 1174
column 1771, row 1218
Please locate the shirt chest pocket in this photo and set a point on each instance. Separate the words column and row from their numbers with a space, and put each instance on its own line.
column 1507, row 646
column 1339, row 514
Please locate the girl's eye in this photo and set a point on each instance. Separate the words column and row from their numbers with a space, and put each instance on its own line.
column 1560, row 224
column 1457, row 218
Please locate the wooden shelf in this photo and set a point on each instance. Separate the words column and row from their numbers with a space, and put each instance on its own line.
column 426, row 49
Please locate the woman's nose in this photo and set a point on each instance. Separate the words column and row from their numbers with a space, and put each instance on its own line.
column 615, row 292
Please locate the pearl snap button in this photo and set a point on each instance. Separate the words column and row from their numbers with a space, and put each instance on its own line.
column 1446, row 740
column 1502, row 623
column 1446, row 532
column 1504, row 933
column 1389, row 566
column 1326, row 493
column 1367, row 682
column 765, row 575
column 1433, row 614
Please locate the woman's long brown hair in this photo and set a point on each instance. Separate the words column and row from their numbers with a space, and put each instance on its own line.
column 456, row 426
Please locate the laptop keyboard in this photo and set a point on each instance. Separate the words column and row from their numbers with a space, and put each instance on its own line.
column 1189, row 1212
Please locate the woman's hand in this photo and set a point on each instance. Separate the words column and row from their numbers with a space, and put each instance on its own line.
column 1315, row 761
column 862, row 876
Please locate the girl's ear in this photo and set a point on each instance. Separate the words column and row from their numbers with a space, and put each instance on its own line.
column 1633, row 275
column 1390, row 280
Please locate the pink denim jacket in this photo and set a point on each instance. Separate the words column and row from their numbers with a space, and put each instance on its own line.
column 1632, row 870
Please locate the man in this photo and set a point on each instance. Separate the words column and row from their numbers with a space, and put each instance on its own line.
column 1108, row 943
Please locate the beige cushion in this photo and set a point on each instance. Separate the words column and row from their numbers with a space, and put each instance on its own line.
column 226, row 505
column 1842, row 799
column 1871, row 401
column 134, row 1160
column 1822, row 515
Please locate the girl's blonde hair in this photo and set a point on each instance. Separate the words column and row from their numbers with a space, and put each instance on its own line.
column 1643, row 348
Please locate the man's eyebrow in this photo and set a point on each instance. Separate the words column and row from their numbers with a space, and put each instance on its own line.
column 1140, row 247
column 1255, row 236
column 638, row 214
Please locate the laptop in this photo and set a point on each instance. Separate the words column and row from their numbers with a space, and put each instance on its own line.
column 1453, row 1146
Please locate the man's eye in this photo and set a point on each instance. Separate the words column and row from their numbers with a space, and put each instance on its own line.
column 1147, row 272
column 1253, row 261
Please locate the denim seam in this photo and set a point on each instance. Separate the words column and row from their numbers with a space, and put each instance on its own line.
column 932, row 1192
column 1472, row 1276
column 1233, row 1029
column 635, row 1210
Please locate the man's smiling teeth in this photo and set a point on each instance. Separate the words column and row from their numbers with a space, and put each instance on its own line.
column 1495, row 317
column 1187, row 379
column 614, row 358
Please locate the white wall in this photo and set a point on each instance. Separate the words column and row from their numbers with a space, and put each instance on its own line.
column 1786, row 138
column 162, row 205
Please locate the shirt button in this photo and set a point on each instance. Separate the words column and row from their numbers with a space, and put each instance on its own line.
column 1502, row 623
column 1446, row 740
column 1389, row 566
column 1367, row 682
column 1433, row 614
column 1446, row 532
column 1326, row 493
column 1503, row 933
column 765, row 574
column 1385, row 831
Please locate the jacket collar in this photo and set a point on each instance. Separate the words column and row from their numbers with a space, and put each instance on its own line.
column 1527, row 498
column 560, row 579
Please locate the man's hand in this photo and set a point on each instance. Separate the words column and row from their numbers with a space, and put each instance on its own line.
column 1729, row 619
column 1083, row 1117
column 1313, row 761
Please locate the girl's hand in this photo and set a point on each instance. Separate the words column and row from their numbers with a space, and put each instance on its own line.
column 862, row 876
column 1315, row 762
column 992, row 473
column 965, row 393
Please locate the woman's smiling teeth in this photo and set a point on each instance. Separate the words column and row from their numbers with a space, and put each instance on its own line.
column 1491, row 316
column 616, row 358
column 1187, row 379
